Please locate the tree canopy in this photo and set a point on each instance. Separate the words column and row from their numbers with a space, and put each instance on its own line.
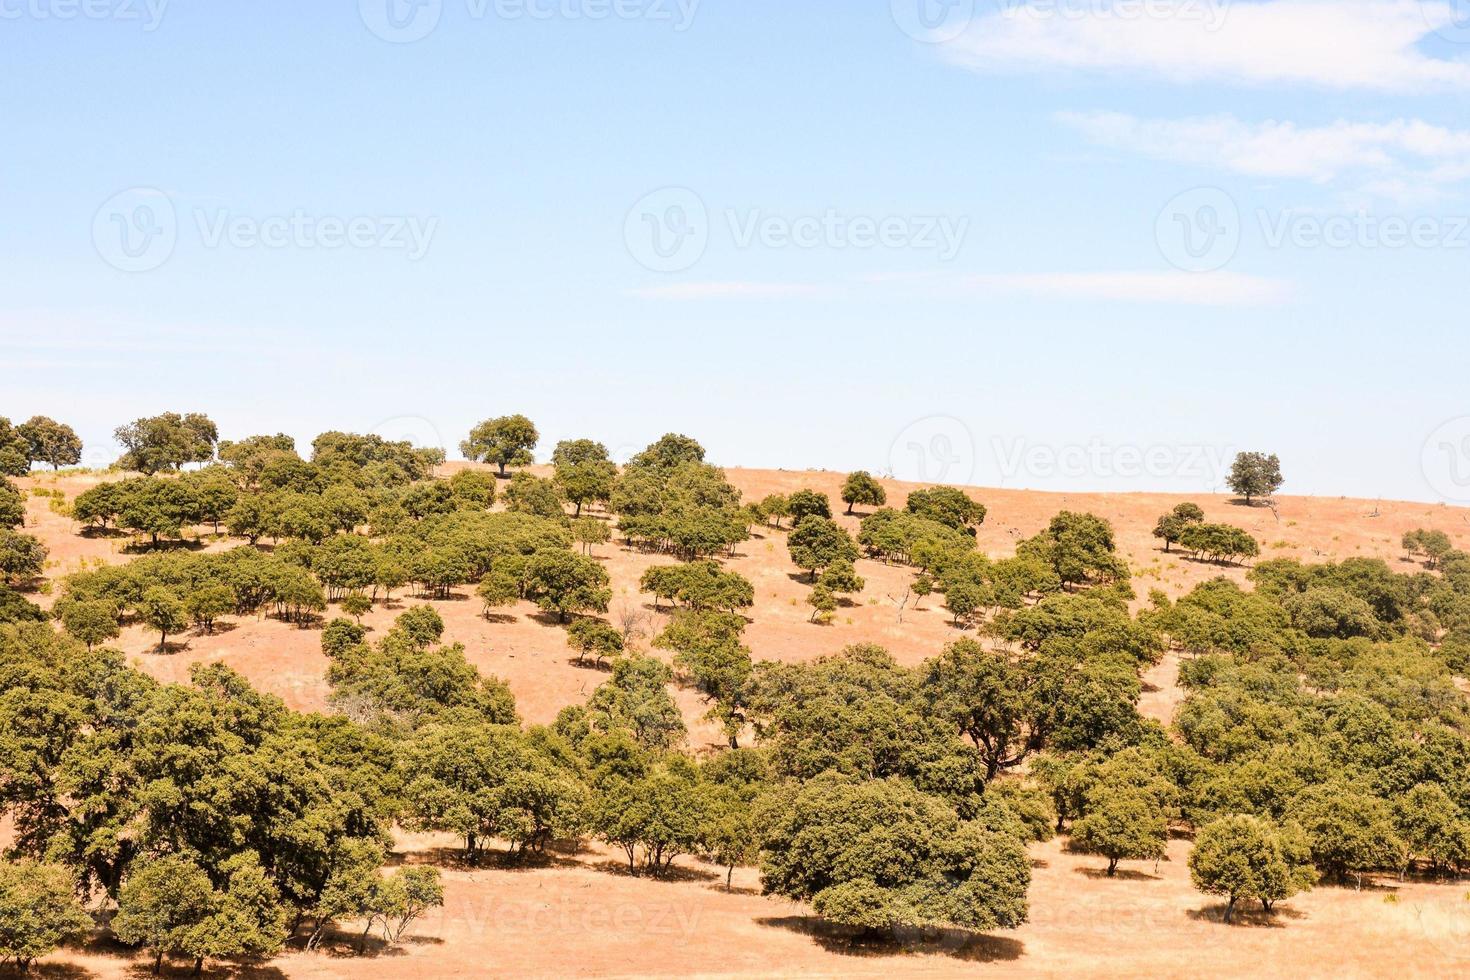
column 504, row 441
column 1255, row 475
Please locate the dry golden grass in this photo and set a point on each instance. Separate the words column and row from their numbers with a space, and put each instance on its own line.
column 581, row 916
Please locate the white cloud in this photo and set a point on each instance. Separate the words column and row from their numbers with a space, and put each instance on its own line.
column 1392, row 159
column 1174, row 288
column 729, row 290
column 1181, row 288
column 1337, row 44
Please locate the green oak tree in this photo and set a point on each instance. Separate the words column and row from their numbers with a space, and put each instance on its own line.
column 861, row 488
column 817, row 542
column 51, row 442
column 1255, row 475
column 880, row 855
column 504, row 441
column 38, row 911
column 1249, row 858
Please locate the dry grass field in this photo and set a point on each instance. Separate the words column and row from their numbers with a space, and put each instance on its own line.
column 582, row 915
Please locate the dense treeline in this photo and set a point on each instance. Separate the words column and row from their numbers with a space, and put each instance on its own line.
column 216, row 820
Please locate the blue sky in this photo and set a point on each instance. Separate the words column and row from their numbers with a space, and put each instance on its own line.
column 816, row 235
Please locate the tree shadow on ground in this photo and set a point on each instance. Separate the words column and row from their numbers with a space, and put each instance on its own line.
column 732, row 890
column 168, row 649
column 497, row 859
column 185, row 968
column 347, row 944
column 49, row 971
column 675, row 874
column 602, row 668
column 961, row 944
column 93, row 531
column 1247, row 916
column 148, row 547
column 1215, row 562
column 1122, row 874
column 499, row 618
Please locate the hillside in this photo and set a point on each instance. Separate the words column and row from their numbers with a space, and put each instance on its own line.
column 531, row 655
column 584, row 916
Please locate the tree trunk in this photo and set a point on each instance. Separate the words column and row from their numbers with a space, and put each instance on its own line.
column 1229, row 908
column 729, row 875
column 198, row 965
column 157, row 962
column 1112, row 867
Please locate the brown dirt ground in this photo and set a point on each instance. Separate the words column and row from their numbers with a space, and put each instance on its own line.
column 582, row 916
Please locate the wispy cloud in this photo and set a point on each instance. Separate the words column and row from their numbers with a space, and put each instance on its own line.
column 1335, row 44
column 84, row 337
column 1175, row 288
column 731, row 290
column 1387, row 158
column 1172, row 288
